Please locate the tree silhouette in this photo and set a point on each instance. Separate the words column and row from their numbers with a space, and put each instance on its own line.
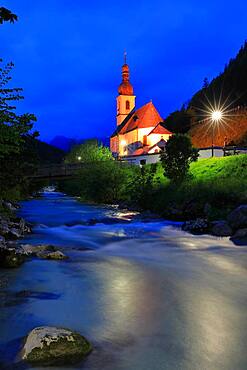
column 7, row 16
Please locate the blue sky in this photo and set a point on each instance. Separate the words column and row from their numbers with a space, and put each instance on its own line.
column 68, row 55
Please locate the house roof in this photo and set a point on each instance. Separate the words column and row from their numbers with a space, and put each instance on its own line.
column 144, row 117
column 160, row 129
column 161, row 144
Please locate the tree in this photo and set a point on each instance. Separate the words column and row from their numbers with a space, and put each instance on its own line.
column 90, row 151
column 104, row 181
column 180, row 120
column 7, row 16
column 14, row 129
column 178, row 155
column 142, row 185
column 205, row 83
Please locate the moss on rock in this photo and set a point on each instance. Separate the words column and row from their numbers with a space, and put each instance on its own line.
column 49, row 346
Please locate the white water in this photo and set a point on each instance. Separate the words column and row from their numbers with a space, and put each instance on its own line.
column 147, row 295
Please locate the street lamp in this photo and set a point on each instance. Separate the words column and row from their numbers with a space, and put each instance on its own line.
column 79, row 158
column 216, row 116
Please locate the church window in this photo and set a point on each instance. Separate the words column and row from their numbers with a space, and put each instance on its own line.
column 127, row 105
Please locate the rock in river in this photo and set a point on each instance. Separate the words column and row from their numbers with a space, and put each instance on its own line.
column 47, row 346
column 57, row 255
column 221, row 228
column 238, row 217
column 198, row 226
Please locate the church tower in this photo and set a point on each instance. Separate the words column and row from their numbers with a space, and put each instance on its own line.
column 126, row 97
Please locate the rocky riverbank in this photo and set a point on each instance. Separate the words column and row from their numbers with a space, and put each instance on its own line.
column 197, row 219
column 12, row 229
column 235, row 226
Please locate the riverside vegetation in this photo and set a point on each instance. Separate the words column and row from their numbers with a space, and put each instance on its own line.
column 211, row 188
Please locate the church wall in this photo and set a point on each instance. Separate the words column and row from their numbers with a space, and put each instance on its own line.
column 122, row 110
column 128, row 142
column 144, row 131
column 114, row 144
column 155, row 138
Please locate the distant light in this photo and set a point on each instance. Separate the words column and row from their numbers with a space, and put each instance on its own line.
column 79, row 158
column 216, row 115
column 123, row 142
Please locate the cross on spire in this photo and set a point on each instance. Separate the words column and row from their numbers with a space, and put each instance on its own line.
column 125, row 57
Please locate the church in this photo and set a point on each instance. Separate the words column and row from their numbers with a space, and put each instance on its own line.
column 140, row 135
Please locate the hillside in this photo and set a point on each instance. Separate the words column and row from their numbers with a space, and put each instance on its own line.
column 234, row 132
column 230, row 85
column 229, row 88
column 44, row 153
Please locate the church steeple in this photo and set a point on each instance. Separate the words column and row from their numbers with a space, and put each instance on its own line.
column 126, row 98
column 125, row 88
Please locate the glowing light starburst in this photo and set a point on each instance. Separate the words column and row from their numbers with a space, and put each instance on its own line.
column 217, row 116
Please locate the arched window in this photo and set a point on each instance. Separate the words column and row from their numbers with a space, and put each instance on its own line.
column 127, row 105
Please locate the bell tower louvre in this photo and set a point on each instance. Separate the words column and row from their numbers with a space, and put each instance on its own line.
column 126, row 97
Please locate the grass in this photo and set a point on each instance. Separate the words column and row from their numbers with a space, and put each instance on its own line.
column 219, row 182
column 211, row 169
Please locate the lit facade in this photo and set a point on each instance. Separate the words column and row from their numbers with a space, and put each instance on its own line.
column 139, row 132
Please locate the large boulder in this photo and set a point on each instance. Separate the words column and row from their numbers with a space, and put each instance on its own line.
column 44, row 251
column 57, row 255
column 48, row 346
column 240, row 237
column 198, row 226
column 37, row 250
column 221, row 228
column 237, row 219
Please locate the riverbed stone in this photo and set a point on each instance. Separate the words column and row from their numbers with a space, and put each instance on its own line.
column 35, row 250
column 57, row 255
column 198, row 226
column 221, row 228
column 48, row 346
column 238, row 217
column 240, row 233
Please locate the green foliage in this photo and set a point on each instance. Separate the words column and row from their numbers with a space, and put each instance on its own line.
column 220, row 182
column 101, row 182
column 14, row 129
column 143, row 184
column 177, row 157
column 88, row 152
column 7, row 16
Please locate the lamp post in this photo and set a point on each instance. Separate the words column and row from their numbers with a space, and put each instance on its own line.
column 216, row 117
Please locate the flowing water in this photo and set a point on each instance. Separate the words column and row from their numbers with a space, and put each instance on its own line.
column 146, row 294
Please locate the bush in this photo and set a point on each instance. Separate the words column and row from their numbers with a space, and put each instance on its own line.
column 178, row 155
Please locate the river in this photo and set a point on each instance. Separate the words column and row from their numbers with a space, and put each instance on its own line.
column 146, row 294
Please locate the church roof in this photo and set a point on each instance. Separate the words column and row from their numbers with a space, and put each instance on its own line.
column 161, row 144
column 160, row 129
column 119, row 127
column 144, row 117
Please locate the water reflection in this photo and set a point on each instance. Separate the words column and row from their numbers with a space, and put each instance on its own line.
column 148, row 295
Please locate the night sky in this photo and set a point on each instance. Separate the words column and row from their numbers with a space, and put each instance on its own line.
column 68, row 55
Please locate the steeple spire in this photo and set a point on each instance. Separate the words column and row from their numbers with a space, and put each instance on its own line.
column 125, row 87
